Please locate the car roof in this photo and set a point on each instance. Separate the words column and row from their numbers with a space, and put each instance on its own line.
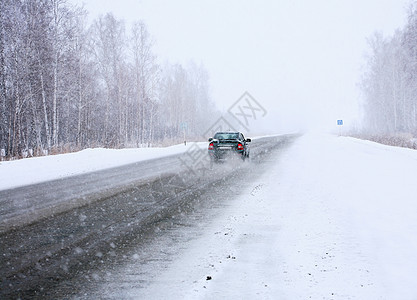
column 227, row 132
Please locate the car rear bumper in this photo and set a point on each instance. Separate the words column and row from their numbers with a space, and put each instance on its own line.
column 224, row 154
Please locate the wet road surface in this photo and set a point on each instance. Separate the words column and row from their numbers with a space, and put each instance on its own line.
column 71, row 253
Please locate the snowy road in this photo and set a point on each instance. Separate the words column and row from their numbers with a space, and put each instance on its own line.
column 332, row 218
column 61, row 231
column 318, row 217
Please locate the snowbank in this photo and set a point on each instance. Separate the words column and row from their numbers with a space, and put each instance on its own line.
column 39, row 169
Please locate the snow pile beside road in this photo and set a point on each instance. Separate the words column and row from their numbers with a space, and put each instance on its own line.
column 335, row 218
column 39, row 169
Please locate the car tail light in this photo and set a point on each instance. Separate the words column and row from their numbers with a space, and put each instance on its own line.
column 211, row 146
column 239, row 147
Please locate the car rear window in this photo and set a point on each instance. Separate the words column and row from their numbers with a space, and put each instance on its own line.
column 226, row 136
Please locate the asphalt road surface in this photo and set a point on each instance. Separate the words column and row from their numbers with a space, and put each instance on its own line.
column 59, row 239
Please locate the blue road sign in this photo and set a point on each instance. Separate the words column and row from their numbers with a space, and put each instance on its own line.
column 339, row 122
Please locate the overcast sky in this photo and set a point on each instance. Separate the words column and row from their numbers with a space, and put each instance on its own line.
column 300, row 59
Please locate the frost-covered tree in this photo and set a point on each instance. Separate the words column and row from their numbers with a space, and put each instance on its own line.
column 108, row 35
column 390, row 81
column 410, row 49
column 67, row 86
column 146, row 75
column 185, row 100
column 3, row 115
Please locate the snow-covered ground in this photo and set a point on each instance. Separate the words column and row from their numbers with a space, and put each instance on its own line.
column 40, row 169
column 335, row 218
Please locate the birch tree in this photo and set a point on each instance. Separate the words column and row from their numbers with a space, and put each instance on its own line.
column 64, row 86
column 3, row 116
column 108, row 48
column 146, row 74
column 390, row 82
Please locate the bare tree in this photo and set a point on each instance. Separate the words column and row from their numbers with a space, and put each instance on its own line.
column 63, row 85
column 390, row 82
column 108, row 48
column 3, row 95
column 146, row 74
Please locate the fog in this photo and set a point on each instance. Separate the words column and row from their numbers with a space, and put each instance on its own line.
column 301, row 60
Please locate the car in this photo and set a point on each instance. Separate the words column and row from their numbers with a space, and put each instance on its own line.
column 227, row 144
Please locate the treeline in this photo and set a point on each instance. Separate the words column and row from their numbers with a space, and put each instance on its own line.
column 390, row 82
column 66, row 86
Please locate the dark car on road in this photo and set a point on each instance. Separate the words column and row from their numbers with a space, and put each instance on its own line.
column 228, row 144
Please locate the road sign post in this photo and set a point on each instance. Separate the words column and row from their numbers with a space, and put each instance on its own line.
column 183, row 125
column 340, row 124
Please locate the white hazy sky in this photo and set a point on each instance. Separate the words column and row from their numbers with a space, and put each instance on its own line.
column 300, row 59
